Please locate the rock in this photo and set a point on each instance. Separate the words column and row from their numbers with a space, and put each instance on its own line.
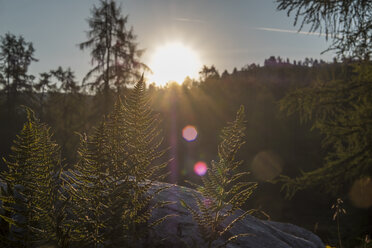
column 181, row 230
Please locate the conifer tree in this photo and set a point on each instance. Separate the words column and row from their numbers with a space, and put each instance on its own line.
column 347, row 23
column 33, row 185
column 114, row 52
column 341, row 111
column 16, row 55
column 42, row 87
column 223, row 190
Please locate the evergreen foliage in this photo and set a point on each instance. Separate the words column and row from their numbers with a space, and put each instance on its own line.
column 32, row 197
column 223, row 190
column 347, row 22
column 341, row 111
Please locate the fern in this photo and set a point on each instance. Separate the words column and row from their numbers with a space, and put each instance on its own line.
column 32, row 199
column 87, row 187
column 110, row 184
column 142, row 143
column 223, row 192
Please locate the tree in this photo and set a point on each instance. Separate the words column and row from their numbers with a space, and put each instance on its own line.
column 208, row 72
column 33, row 179
column 42, row 87
column 340, row 110
column 223, row 189
column 15, row 57
column 347, row 22
column 66, row 79
column 114, row 52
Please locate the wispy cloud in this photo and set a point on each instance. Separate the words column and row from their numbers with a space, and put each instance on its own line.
column 288, row 31
column 179, row 19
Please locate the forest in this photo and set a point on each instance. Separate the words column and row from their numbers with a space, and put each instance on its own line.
column 291, row 139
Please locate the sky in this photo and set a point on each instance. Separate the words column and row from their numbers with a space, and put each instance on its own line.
column 225, row 33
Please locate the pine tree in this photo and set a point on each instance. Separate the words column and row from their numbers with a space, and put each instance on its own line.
column 33, row 186
column 223, row 191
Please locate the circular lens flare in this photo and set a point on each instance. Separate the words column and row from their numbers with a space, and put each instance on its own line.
column 189, row 133
column 200, row 168
column 361, row 193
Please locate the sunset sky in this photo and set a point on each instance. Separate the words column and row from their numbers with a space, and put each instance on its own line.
column 225, row 33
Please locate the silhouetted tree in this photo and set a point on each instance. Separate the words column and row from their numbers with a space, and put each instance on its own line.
column 113, row 49
column 225, row 74
column 42, row 87
column 66, row 80
column 208, row 73
column 15, row 57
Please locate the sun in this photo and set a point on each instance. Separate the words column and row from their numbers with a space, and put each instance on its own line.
column 173, row 62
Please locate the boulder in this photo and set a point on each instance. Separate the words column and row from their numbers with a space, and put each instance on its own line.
column 182, row 231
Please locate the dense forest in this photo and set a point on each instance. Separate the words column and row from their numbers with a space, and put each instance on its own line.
column 307, row 138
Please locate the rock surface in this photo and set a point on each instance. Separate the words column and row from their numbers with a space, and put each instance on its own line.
column 182, row 231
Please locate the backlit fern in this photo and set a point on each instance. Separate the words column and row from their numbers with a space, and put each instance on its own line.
column 31, row 200
column 223, row 191
column 115, row 172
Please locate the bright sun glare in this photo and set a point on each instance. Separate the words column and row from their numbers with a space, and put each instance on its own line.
column 173, row 62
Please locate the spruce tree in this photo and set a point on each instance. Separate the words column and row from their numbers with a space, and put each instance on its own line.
column 223, row 191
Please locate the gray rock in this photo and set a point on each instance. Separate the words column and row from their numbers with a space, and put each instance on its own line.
column 182, row 231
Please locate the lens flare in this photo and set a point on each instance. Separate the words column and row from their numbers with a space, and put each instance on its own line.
column 200, row 168
column 189, row 133
column 361, row 193
column 266, row 165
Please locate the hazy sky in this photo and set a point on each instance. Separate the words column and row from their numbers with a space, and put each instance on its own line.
column 226, row 33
